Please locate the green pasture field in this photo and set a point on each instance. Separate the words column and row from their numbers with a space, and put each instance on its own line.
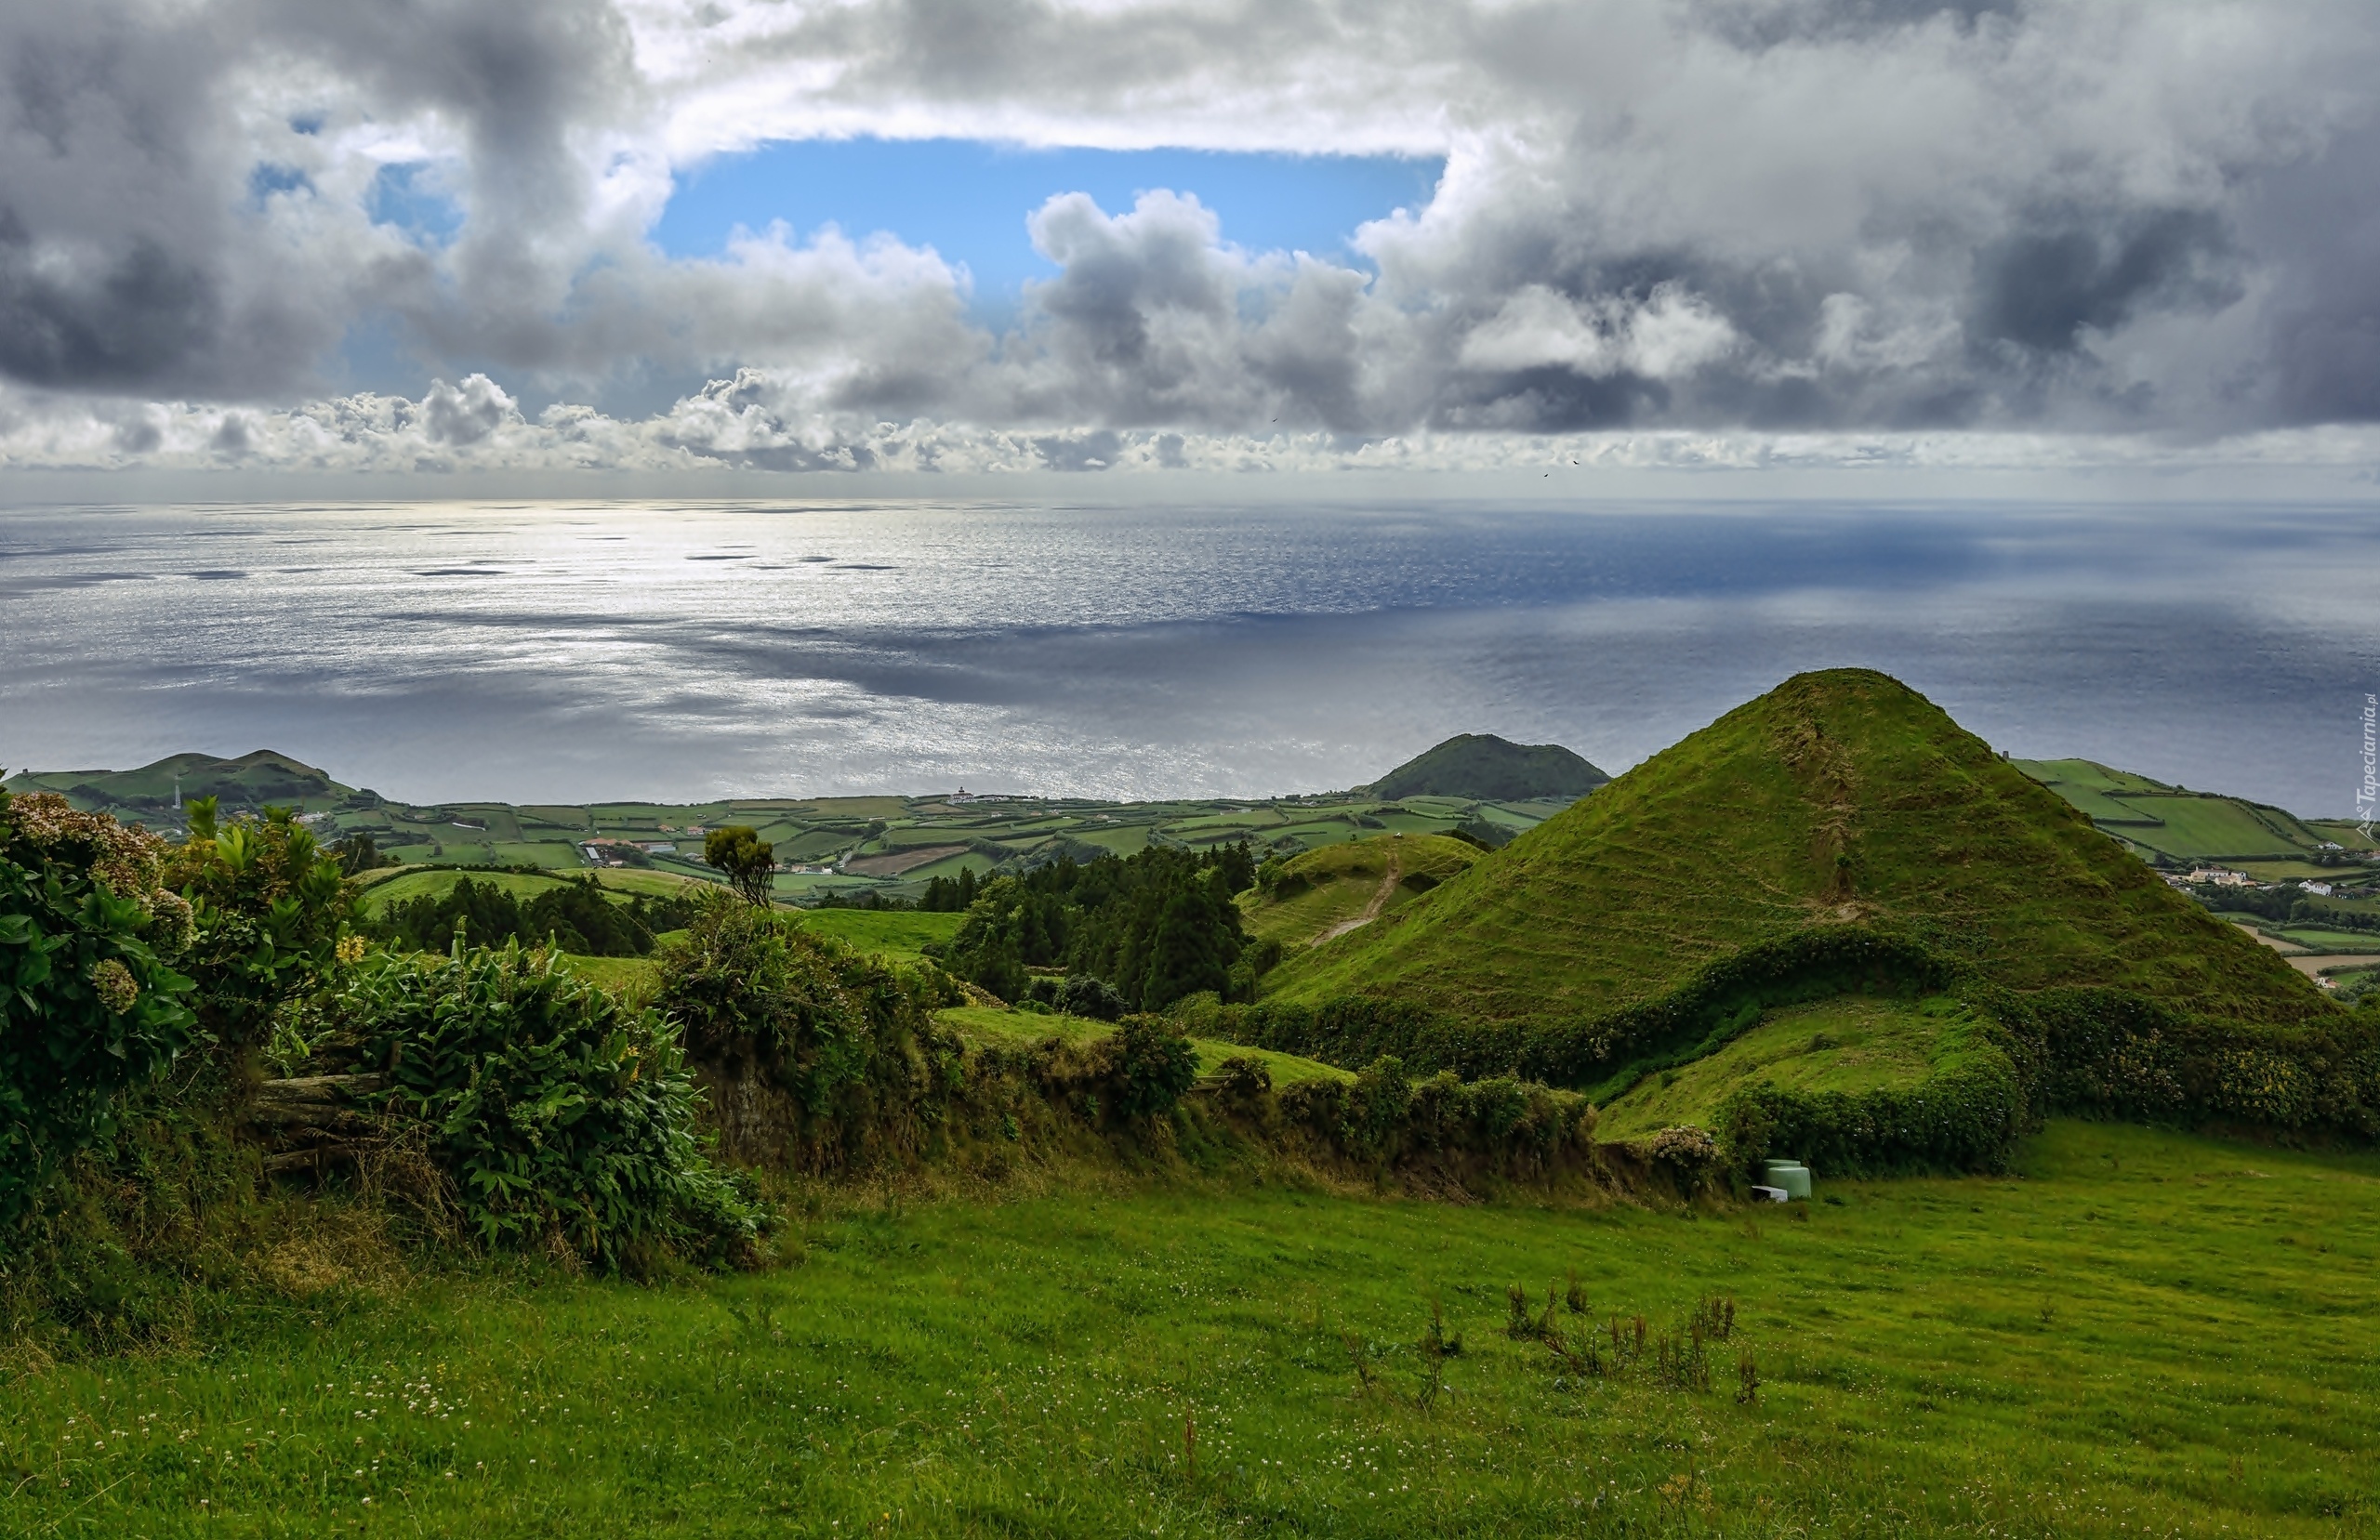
column 1853, row 1042
column 2292, row 871
column 2210, row 826
column 948, row 866
column 405, row 886
column 630, row 976
column 2087, row 775
column 999, row 1024
column 401, row 884
column 899, row 933
column 2328, row 940
column 2141, row 1333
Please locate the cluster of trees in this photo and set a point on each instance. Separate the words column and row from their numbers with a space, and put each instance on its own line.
column 950, row 895
column 1155, row 927
column 578, row 915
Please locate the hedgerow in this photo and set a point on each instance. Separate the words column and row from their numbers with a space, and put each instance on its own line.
column 89, row 1004
column 817, row 1057
column 1965, row 1116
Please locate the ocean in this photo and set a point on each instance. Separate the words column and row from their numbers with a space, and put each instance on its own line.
column 568, row 652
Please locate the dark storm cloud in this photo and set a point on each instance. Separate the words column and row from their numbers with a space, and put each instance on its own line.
column 1764, row 214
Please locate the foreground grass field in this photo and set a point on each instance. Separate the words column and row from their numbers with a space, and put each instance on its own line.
column 2143, row 1334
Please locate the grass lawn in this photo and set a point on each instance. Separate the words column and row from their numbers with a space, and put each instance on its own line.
column 618, row 974
column 1853, row 1042
column 899, row 933
column 2144, row 1334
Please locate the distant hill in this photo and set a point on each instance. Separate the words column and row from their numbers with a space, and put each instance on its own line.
column 2186, row 827
column 249, row 781
column 1838, row 798
column 1487, row 769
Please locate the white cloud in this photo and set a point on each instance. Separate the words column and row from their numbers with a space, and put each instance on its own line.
column 1726, row 217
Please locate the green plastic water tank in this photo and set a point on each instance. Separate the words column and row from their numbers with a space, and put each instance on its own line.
column 1793, row 1176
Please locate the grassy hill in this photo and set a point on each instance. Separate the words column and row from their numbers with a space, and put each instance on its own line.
column 1331, row 890
column 149, row 794
column 1838, row 798
column 1490, row 768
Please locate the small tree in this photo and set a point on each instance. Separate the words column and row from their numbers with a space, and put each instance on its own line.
column 749, row 860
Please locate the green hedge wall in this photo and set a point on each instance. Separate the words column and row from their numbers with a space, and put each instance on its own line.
column 1966, row 1116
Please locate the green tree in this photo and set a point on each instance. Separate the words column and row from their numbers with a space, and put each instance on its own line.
column 749, row 860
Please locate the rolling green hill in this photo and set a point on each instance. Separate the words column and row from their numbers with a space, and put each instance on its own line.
column 1482, row 766
column 1331, row 890
column 1838, row 798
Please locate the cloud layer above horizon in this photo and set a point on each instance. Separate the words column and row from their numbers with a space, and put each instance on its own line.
column 1821, row 222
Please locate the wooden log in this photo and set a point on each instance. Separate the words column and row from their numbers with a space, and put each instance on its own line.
column 311, row 1101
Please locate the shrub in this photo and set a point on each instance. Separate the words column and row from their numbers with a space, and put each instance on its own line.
column 267, row 907
column 1689, row 1154
column 1244, row 1078
column 1146, row 1067
column 88, row 1004
column 557, row 1111
column 817, row 1052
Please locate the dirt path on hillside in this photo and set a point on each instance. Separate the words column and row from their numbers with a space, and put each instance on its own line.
column 1380, row 900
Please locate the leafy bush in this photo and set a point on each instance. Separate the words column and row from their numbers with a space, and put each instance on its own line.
column 1147, row 1067
column 88, row 1004
column 557, row 1111
column 815, row 1052
column 268, row 908
column 2111, row 1054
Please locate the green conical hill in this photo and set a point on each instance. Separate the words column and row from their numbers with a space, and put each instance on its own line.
column 1488, row 769
column 1839, row 798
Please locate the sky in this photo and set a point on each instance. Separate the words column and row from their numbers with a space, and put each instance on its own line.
column 282, row 238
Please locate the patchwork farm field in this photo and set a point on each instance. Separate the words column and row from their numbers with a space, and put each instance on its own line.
column 892, row 846
column 2140, row 1334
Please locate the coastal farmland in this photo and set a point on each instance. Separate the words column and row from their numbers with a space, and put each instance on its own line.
column 846, row 847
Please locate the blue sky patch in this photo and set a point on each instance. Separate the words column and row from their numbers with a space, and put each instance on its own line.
column 969, row 199
column 406, row 194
